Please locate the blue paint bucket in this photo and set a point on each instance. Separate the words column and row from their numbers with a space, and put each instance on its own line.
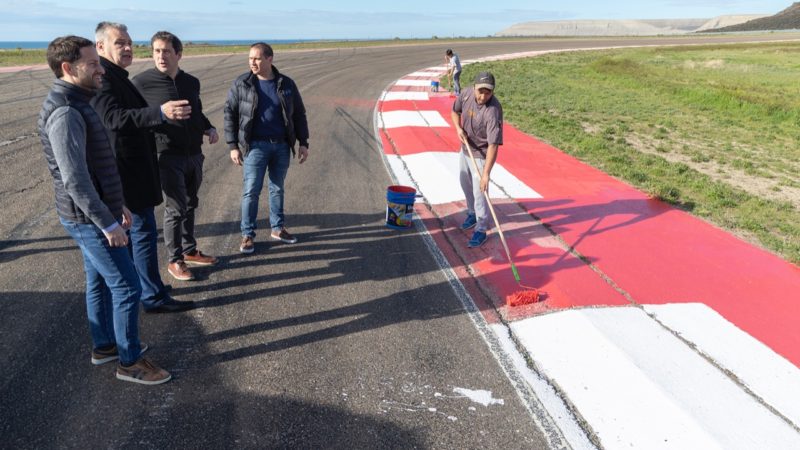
column 400, row 206
column 434, row 86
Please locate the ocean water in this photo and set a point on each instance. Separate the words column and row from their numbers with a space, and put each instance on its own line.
column 43, row 44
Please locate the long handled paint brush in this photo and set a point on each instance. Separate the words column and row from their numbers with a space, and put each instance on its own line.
column 528, row 294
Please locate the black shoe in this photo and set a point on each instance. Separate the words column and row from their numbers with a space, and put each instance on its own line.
column 171, row 306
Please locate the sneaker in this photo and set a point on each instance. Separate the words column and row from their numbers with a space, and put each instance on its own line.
column 100, row 357
column 470, row 222
column 247, row 245
column 143, row 372
column 478, row 238
column 283, row 236
column 198, row 258
column 179, row 271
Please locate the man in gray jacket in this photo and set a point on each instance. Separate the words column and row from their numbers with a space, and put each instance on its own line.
column 90, row 206
column 264, row 118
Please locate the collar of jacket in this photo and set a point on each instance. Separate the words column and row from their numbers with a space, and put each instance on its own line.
column 158, row 73
column 73, row 90
column 253, row 78
column 109, row 66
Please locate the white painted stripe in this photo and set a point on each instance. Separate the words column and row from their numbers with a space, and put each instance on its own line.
column 550, row 399
column 440, row 69
column 397, row 167
column 430, row 74
column 397, row 119
column 638, row 386
column 405, row 95
column 413, row 83
column 767, row 374
column 436, row 175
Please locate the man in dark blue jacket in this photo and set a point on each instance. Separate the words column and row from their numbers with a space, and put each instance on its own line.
column 180, row 157
column 130, row 122
column 89, row 203
column 264, row 118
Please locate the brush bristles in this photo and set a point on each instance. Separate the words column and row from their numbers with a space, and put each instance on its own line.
column 522, row 298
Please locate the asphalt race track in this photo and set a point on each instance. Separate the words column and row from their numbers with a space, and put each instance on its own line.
column 351, row 338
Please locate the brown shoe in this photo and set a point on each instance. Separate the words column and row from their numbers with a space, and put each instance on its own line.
column 247, row 245
column 283, row 236
column 179, row 271
column 143, row 372
column 102, row 356
column 197, row 258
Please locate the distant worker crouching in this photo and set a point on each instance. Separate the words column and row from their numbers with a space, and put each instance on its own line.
column 454, row 70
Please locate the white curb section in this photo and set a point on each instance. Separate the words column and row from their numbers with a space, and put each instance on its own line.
column 637, row 385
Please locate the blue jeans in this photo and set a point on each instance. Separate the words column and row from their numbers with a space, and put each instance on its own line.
column 143, row 247
column 457, row 82
column 112, row 291
column 264, row 157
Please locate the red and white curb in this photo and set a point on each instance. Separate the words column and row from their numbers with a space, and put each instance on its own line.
column 632, row 364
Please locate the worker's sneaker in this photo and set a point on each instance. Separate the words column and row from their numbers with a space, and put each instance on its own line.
column 478, row 238
column 469, row 222
column 143, row 372
column 283, row 236
column 179, row 271
column 198, row 258
column 247, row 245
column 101, row 356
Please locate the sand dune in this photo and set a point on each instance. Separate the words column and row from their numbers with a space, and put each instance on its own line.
column 622, row 27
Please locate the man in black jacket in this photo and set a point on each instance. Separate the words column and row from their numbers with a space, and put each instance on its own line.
column 180, row 157
column 130, row 121
column 264, row 117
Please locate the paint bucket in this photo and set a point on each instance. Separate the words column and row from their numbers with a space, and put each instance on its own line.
column 400, row 206
column 434, row 86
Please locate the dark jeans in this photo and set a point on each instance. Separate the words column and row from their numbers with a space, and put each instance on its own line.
column 181, row 177
column 112, row 291
column 143, row 247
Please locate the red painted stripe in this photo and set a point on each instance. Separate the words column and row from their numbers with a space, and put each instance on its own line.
column 652, row 251
column 411, row 140
column 398, row 105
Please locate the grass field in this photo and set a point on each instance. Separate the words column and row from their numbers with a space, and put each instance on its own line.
column 714, row 130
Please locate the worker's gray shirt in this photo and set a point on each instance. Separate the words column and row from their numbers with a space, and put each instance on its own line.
column 482, row 123
column 455, row 63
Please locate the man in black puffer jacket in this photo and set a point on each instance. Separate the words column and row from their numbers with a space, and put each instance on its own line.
column 264, row 117
column 180, row 157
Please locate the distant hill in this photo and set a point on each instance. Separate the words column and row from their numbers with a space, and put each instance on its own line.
column 726, row 21
column 621, row 27
column 788, row 19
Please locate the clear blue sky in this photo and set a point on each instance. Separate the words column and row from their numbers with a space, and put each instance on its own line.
column 32, row 20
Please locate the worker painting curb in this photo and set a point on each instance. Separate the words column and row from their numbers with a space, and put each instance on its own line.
column 643, row 301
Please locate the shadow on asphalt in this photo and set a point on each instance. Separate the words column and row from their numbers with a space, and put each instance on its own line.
column 53, row 397
column 13, row 249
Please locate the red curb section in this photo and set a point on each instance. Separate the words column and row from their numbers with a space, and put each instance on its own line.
column 634, row 249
